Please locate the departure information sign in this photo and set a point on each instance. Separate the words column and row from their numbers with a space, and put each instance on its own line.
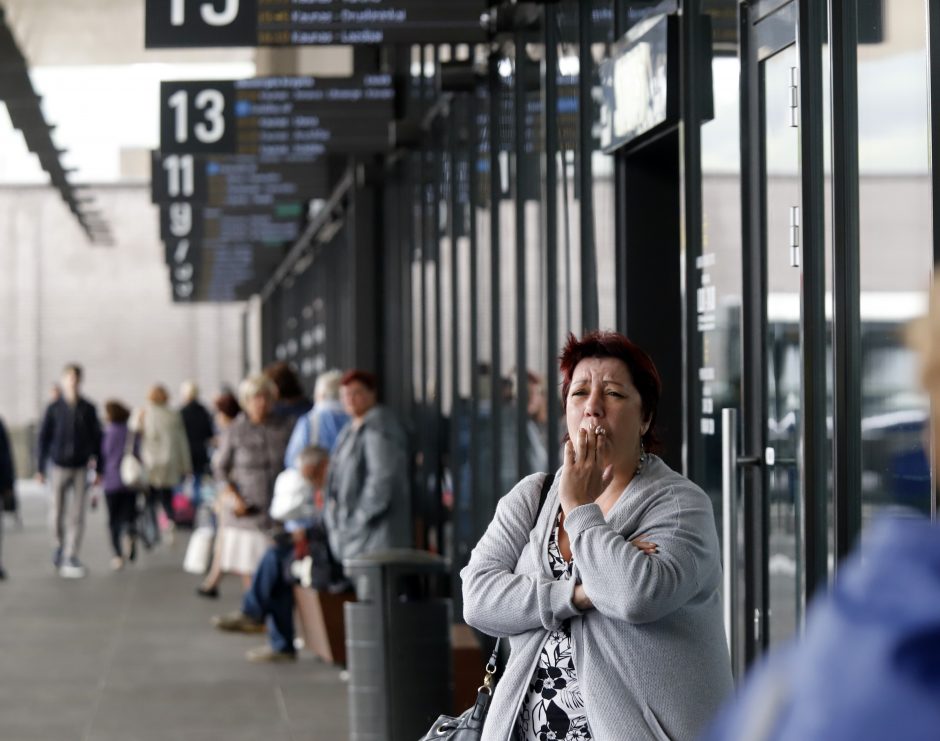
column 277, row 117
column 206, row 23
column 240, row 160
column 235, row 180
column 216, row 209
column 223, row 254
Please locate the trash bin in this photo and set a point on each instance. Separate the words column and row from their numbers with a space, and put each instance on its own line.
column 397, row 645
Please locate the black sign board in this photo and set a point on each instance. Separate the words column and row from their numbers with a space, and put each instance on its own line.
column 203, row 23
column 234, row 271
column 277, row 117
column 235, row 181
column 207, row 246
column 220, row 271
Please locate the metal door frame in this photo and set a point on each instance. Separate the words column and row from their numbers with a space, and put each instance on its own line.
column 768, row 27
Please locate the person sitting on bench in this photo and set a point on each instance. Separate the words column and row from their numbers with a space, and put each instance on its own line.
column 270, row 598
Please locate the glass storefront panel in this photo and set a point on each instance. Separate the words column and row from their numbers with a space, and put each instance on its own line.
column 783, row 351
column 895, row 249
column 718, row 270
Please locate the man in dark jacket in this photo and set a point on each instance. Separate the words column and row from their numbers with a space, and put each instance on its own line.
column 70, row 437
column 198, row 424
column 7, row 479
column 199, row 432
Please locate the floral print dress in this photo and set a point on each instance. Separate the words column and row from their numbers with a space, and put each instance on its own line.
column 553, row 708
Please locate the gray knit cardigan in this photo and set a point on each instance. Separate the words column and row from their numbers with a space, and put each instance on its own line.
column 652, row 658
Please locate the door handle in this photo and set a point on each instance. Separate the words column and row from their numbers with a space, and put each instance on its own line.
column 729, row 518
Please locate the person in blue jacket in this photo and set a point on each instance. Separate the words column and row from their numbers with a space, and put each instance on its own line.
column 323, row 423
column 868, row 663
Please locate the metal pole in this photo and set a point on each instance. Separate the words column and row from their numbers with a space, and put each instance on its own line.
column 620, row 190
column 474, row 411
column 691, row 245
column 754, row 332
column 846, row 329
column 523, row 177
column 933, row 26
column 455, row 212
column 496, row 442
column 812, row 20
column 589, row 309
column 550, row 122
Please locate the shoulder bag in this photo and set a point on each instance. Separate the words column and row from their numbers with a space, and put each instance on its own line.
column 131, row 470
column 469, row 725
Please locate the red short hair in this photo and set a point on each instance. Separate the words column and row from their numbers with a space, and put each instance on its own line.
column 369, row 380
column 642, row 371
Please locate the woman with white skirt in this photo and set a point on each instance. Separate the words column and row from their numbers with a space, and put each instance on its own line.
column 249, row 458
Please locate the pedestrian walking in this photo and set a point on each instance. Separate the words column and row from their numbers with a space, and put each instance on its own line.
column 164, row 452
column 69, row 440
column 117, row 441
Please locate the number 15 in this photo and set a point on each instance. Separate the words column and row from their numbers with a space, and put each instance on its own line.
column 209, row 14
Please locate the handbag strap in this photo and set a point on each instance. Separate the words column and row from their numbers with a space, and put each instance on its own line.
column 493, row 664
column 129, row 439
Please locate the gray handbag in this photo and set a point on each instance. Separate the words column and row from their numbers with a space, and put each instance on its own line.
column 469, row 725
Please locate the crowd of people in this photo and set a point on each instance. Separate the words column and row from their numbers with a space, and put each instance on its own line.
column 283, row 481
column 604, row 576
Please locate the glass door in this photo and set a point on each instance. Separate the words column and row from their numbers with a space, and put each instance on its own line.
column 766, row 568
column 782, row 344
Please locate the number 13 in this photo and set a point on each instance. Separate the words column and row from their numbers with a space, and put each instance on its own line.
column 211, row 103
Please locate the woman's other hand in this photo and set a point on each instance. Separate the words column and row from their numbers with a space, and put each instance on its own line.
column 581, row 600
column 583, row 476
column 644, row 545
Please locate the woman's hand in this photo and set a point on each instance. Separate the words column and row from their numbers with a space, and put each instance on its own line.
column 235, row 501
column 581, row 600
column 644, row 545
column 583, row 475
column 239, row 508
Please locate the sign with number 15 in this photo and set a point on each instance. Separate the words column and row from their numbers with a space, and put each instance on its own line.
column 176, row 23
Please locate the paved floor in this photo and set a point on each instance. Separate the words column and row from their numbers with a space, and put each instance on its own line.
column 130, row 656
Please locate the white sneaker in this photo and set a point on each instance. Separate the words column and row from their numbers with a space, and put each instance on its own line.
column 72, row 569
column 117, row 563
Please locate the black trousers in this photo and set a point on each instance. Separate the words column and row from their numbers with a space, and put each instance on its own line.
column 122, row 516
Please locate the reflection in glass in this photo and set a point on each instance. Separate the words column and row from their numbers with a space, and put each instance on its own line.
column 782, row 351
column 895, row 252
